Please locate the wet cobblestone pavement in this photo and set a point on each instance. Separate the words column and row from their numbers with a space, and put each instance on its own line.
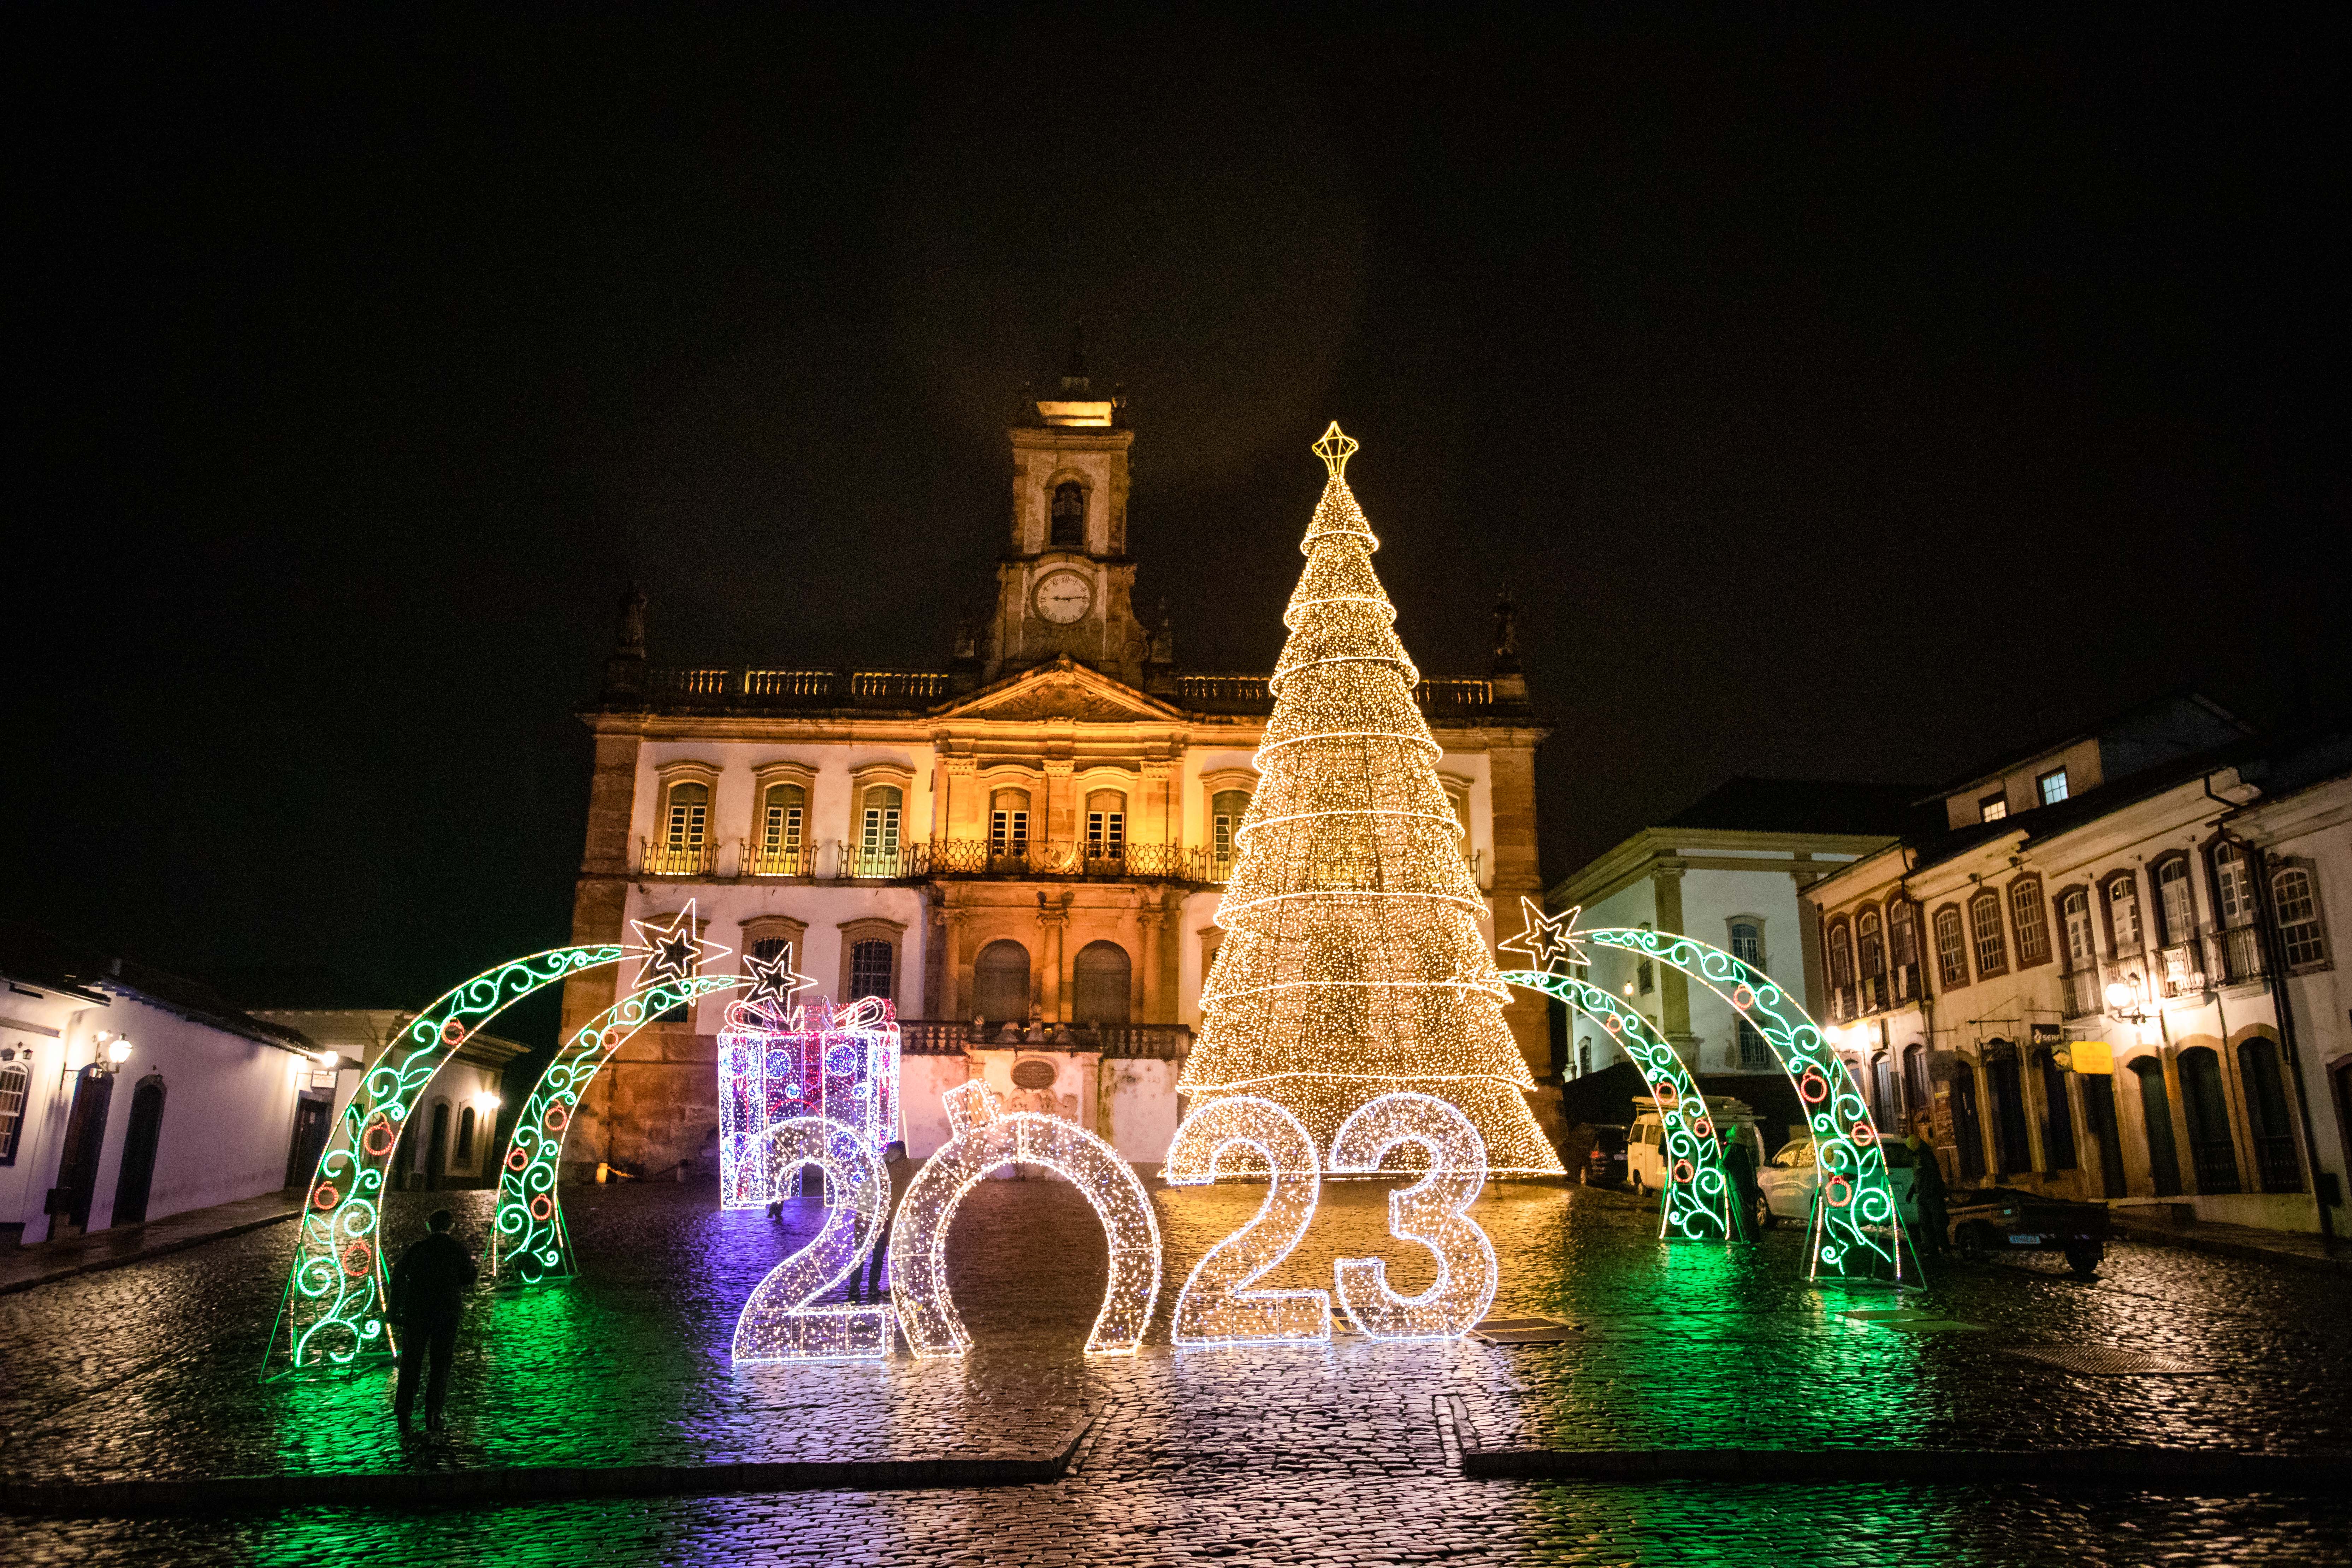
column 1320, row 1454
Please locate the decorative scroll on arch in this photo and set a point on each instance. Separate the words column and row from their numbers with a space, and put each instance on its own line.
column 1696, row 1202
column 332, row 1311
column 1858, row 1231
column 529, row 1242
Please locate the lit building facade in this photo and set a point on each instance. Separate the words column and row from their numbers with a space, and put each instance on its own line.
column 1021, row 850
column 2111, row 889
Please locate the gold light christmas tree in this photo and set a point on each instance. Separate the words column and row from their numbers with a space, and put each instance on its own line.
column 1351, row 965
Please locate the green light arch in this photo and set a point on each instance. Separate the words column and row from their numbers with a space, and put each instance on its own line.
column 1858, row 1231
column 332, row 1314
column 1696, row 1202
column 528, row 1244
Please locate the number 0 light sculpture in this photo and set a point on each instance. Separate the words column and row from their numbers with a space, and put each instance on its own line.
column 985, row 1140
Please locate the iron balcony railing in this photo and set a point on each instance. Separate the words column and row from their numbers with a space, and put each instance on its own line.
column 2217, row 1165
column 2180, row 969
column 677, row 860
column 779, row 861
column 744, row 687
column 949, row 1036
column 1906, row 984
column 1250, row 694
column 2085, row 994
column 2241, row 954
column 1841, row 1004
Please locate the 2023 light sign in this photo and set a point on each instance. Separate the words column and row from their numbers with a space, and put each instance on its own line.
column 1216, row 1305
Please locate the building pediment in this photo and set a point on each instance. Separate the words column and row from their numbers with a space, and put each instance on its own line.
column 1063, row 690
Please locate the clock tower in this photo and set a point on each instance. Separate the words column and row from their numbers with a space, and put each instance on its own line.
column 1064, row 586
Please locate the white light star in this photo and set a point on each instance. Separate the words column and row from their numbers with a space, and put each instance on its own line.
column 678, row 952
column 774, row 981
column 1549, row 940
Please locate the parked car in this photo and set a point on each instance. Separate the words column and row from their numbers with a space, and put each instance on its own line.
column 1999, row 1219
column 1646, row 1149
column 1604, row 1165
column 1788, row 1183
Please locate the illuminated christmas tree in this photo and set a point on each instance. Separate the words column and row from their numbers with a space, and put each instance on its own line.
column 1351, row 964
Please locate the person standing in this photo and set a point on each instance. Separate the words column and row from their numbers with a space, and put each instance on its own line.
column 902, row 1170
column 429, row 1301
column 1935, row 1232
column 1740, row 1165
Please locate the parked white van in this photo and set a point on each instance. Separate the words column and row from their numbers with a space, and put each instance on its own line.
column 1645, row 1144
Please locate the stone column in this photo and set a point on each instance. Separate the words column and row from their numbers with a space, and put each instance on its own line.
column 1154, row 921
column 962, row 814
column 948, row 1002
column 1061, row 813
column 1051, row 990
column 1673, row 986
column 1159, row 816
column 1809, row 942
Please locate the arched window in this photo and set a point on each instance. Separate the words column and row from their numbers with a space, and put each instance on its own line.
column 2211, row 1149
column 15, row 1082
column 878, row 829
column 870, row 963
column 1008, row 822
column 2274, row 1158
column 2074, row 914
column 1984, row 924
column 1903, row 933
column 784, row 824
column 2296, row 903
column 2233, row 886
column 685, row 829
column 2029, row 914
column 1584, row 1055
column 1952, row 948
column 999, row 983
column 2175, row 906
column 1105, row 825
column 1069, row 517
column 1748, row 943
column 2126, row 938
column 1841, row 970
column 1226, row 810
column 466, row 1136
column 2057, row 1115
column 2156, row 1121
column 1100, row 978
column 1870, row 940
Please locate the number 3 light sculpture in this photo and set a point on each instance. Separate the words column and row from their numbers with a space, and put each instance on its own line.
column 1430, row 1211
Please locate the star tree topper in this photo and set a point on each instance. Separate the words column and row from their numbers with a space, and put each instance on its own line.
column 1549, row 940
column 678, row 952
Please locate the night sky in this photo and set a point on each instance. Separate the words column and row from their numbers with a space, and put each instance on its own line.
column 1839, row 403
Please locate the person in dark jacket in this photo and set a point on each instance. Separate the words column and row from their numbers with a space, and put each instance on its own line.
column 1933, row 1236
column 902, row 1170
column 1740, row 1165
column 428, row 1298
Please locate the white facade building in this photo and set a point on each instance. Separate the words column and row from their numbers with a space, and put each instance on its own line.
column 128, row 1094
column 453, row 1138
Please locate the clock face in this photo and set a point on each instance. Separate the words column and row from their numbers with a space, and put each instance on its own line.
column 1064, row 597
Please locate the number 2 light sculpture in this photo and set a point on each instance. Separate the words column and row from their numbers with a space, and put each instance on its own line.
column 1215, row 1307
column 779, row 1322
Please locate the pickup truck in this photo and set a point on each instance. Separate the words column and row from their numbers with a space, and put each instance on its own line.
column 1995, row 1219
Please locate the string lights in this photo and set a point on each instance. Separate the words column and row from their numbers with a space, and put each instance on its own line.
column 987, row 1139
column 1215, row 1306
column 529, row 1241
column 1434, row 1212
column 1352, row 965
column 779, row 1322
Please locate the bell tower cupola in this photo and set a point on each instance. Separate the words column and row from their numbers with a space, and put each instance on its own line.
column 1065, row 585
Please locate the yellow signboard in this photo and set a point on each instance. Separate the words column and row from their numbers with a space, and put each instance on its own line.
column 2086, row 1055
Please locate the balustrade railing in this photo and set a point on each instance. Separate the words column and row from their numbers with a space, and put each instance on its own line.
column 677, row 860
column 804, row 688
column 950, row 1037
column 1249, row 692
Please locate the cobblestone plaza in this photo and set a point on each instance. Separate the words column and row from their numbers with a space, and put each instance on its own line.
column 1346, row 1454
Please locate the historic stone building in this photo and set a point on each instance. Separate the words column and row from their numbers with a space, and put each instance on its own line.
column 1027, row 844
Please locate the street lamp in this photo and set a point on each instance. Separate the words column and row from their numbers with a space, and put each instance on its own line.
column 110, row 1051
